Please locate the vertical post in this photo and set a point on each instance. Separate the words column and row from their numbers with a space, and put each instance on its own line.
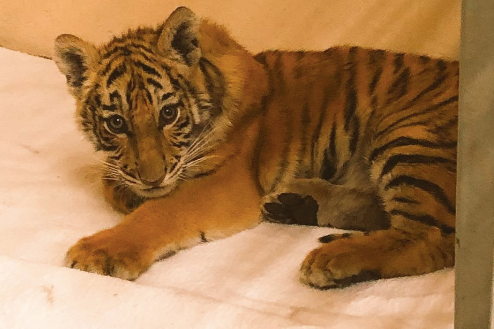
column 475, row 185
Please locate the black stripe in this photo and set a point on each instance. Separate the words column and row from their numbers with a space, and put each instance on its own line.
column 95, row 125
column 433, row 189
column 105, row 142
column 107, row 148
column 146, row 57
column 424, row 59
column 184, row 124
column 407, row 141
column 376, row 60
column 399, row 87
column 126, row 49
column 110, row 52
column 155, row 83
column 451, row 123
column 172, row 167
column 329, row 163
column 84, row 114
column 97, row 100
column 351, row 92
column 179, row 143
column 148, row 69
column 439, row 79
column 415, row 114
column 425, row 219
column 148, row 95
column 116, row 98
column 107, row 68
column 394, row 160
column 115, row 74
column 111, row 107
column 186, row 136
column 405, row 200
column 128, row 93
column 165, row 96
column 141, row 47
column 352, row 124
column 261, row 58
column 174, row 81
column 116, row 157
column 398, row 62
column 328, row 168
column 278, row 76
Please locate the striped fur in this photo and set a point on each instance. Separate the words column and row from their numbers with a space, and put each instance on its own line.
column 195, row 126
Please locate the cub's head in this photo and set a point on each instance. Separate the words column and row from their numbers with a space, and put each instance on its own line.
column 158, row 101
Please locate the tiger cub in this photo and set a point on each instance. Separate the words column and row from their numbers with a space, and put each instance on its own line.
column 204, row 140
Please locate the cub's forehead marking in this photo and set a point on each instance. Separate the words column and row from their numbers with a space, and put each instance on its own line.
column 123, row 63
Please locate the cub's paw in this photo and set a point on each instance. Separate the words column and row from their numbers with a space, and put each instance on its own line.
column 338, row 264
column 121, row 198
column 106, row 254
column 290, row 208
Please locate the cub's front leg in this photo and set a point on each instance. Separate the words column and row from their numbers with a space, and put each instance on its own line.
column 204, row 209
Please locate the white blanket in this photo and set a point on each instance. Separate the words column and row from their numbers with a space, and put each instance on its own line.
column 50, row 196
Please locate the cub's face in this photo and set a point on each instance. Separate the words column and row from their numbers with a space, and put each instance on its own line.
column 146, row 117
column 139, row 101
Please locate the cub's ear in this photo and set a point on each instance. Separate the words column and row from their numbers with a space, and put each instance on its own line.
column 73, row 57
column 178, row 39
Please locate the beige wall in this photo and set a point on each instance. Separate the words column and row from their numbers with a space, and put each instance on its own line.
column 425, row 26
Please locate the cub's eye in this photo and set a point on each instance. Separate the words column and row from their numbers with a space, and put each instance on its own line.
column 116, row 124
column 168, row 114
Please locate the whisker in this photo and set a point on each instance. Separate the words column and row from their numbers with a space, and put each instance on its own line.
column 200, row 146
column 205, row 133
column 199, row 160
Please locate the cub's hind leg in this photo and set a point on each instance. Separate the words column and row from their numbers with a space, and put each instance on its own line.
column 419, row 195
column 380, row 254
column 421, row 240
column 318, row 202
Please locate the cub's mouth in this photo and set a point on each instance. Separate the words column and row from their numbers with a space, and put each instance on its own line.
column 153, row 191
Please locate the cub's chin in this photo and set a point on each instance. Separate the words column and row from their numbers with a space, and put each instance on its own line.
column 153, row 192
